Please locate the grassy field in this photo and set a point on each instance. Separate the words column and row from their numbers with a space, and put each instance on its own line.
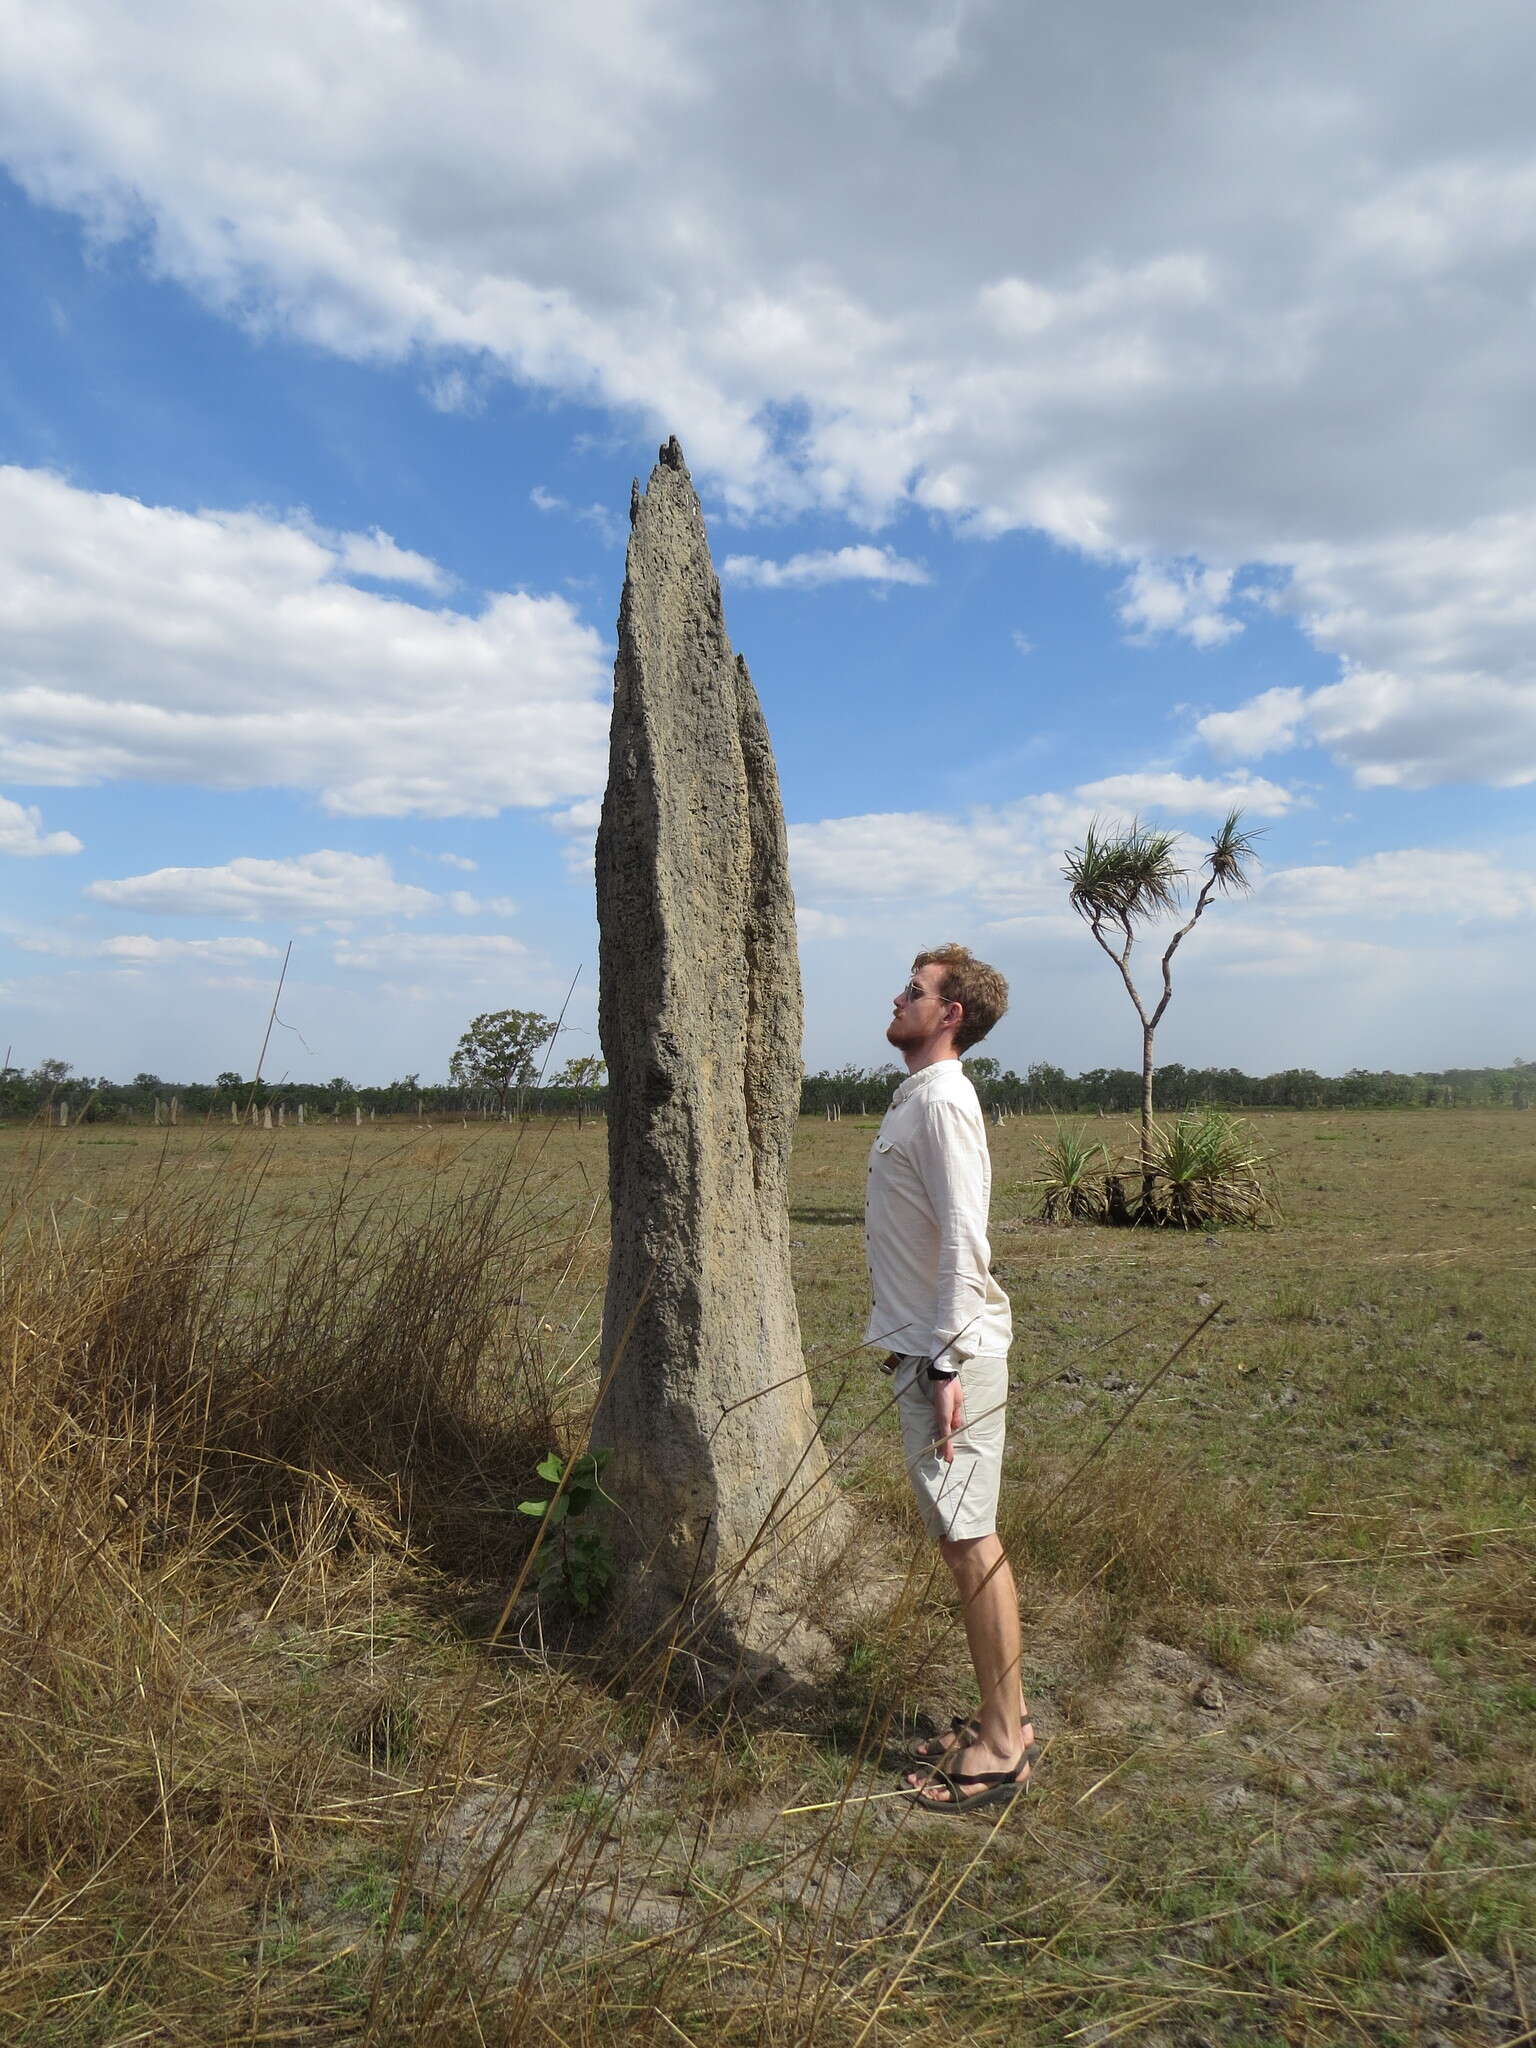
column 271, row 1402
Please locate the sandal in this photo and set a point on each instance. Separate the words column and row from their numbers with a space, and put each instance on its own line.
column 960, row 1734
column 997, row 1787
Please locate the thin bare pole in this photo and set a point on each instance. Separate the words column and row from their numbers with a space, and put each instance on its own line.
column 559, row 1026
column 271, row 1020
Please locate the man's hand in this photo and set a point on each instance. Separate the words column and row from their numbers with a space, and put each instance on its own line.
column 948, row 1416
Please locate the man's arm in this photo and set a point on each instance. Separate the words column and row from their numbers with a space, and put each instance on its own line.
column 948, row 1148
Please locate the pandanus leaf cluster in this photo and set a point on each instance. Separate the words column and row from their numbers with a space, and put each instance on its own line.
column 1125, row 877
column 1074, row 1180
column 1207, row 1170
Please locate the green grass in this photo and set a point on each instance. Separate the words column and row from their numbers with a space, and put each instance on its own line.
column 256, row 1711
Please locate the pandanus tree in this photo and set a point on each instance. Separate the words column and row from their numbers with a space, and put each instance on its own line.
column 1121, row 880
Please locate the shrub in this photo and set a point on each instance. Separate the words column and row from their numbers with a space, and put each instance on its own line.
column 1204, row 1171
column 1074, row 1184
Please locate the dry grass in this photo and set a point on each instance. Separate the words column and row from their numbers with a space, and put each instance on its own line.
column 218, row 1437
column 265, row 1776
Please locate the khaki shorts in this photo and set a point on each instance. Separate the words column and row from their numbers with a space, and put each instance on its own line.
column 956, row 1500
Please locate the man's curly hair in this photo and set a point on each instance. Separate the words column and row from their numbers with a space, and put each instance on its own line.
column 979, row 990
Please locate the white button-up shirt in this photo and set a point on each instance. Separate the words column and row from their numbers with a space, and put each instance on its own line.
column 925, row 1222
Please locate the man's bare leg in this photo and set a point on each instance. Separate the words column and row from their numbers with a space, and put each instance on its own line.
column 990, row 1605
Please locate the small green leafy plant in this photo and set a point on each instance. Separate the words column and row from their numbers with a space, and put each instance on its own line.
column 577, row 1562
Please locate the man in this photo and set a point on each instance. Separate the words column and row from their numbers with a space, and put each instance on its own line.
column 946, row 1326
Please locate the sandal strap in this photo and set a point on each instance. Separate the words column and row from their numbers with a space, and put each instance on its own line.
column 965, row 1732
column 955, row 1779
column 970, row 1728
column 968, row 1724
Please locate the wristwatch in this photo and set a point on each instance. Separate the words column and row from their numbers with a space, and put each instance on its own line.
column 937, row 1375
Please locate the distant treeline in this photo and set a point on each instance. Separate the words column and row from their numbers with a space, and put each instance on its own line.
column 1117, row 1090
column 52, row 1086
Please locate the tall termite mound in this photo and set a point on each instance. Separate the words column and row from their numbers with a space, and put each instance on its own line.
column 724, row 1501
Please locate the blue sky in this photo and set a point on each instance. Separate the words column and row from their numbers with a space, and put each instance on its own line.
column 1093, row 418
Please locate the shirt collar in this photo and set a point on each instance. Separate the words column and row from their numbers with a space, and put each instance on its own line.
column 913, row 1082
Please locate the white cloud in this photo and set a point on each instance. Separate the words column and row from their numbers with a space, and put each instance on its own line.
column 861, row 564
column 1411, row 732
column 1022, row 642
column 1178, row 597
column 138, row 949
column 1201, row 795
column 597, row 516
column 450, row 860
column 1265, row 724
column 1420, row 882
column 453, row 391
column 1448, row 599
column 379, row 559
column 1230, row 942
column 577, row 825
column 908, row 855
column 1395, row 731
column 21, row 832
column 306, row 885
column 1276, row 311
column 1270, row 951
column 463, row 904
column 1438, row 630
column 693, row 218
column 585, row 816
column 472, row 956
column 141, row 951
column 228, row 648
column 820, row 924
column 1005, row 859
